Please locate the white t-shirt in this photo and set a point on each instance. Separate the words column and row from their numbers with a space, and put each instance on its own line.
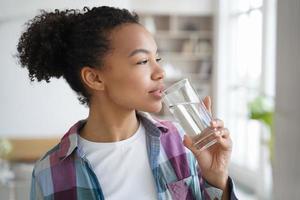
column 123, row 167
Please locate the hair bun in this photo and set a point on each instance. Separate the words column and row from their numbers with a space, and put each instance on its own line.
column 42, row 46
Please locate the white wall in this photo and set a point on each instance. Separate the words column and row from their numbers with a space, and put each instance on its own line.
column 197, row 7
column 287, row 119
column 34, row 109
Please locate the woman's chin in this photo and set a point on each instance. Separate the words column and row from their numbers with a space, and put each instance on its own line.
column 154, row 109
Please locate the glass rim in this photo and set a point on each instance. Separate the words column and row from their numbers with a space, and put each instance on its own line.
column 175, row 86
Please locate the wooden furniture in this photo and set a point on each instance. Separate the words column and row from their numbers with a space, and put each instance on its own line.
column 30, row 150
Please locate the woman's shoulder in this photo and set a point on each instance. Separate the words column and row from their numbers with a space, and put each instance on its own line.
column 63, row 149
column 44, row 163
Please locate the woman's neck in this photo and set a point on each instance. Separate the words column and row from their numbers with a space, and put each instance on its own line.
column 109, row 124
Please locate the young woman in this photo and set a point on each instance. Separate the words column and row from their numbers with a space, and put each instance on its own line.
column 119, row 151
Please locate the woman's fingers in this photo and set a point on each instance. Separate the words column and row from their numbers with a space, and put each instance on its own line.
column 224, row 139
column 217, row 123
column 221, row 135
column 188, row 142
column 194, row 143
column 225, row 133
column 207, row 103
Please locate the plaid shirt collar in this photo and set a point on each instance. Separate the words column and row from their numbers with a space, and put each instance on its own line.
column 69, row 141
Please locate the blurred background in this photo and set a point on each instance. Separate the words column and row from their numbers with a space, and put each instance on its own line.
column 243, row 53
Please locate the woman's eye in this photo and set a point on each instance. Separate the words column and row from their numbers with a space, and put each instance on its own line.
column 143, row 62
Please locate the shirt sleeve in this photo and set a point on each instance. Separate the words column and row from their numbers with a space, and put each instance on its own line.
column 35, row 191
column 212, row 193
column 232, row 191
column 209, row 192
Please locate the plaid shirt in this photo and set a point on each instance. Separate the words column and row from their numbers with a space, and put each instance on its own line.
column 65, row 173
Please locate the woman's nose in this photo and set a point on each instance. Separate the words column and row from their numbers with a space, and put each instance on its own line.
column 158, row 73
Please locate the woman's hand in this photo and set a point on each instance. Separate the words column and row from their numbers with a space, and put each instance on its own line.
column 214, row 160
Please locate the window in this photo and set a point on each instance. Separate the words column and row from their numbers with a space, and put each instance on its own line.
column 245, row 70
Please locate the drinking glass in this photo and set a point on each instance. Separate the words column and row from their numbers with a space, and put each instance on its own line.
column 186, row 106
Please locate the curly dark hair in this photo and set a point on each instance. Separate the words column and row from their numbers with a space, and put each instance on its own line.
column 61, row 43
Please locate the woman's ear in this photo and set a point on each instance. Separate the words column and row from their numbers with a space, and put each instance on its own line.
column 92, row 78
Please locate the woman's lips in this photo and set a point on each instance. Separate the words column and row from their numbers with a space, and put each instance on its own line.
column 160, row 88
column 156, row 93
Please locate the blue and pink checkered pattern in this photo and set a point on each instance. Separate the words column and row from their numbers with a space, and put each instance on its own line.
column 64, row 172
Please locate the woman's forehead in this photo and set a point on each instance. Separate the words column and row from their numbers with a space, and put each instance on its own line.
column 130, row 37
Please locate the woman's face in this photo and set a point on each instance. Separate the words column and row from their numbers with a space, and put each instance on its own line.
column 132, row 75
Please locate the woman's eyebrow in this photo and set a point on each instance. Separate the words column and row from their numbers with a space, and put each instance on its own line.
column 136, row 51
